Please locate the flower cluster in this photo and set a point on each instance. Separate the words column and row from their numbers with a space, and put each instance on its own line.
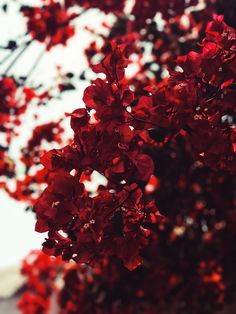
column 181, row 25
column 40, row 271
column 148, row 9
column 117, row 134
column 113, row 222
column 50, row 23
column 180, row 260
column 15, row 101
column 198, row 100
column 50, row 132
column 28, row 188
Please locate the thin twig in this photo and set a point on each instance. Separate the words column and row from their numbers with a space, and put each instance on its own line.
column 17, row 57
column 34, row 66
column 6, row 57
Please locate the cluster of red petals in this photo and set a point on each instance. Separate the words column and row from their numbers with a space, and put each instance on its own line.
column 183, row 24
column 167, row 147
column 87, row 228
column 199, row 99
column 40, row 271
column 28, row 188
column 13, row 106
column 186, row 264
column 171, row 145
column 50, row 23
column 179, row 268
column 105, row 289
column 146, row 9
column 14, row 102
column 49, row 132
column 116, row 135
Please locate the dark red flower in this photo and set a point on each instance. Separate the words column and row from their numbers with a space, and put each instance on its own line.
column 50, row 23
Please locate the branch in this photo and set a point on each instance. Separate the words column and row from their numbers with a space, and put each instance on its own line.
column 17, row 57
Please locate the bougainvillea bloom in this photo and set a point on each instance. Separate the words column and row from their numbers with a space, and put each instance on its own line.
column 157, row 126
column 50, row 23
column 41, row 272
column 119, row 143
column 87, row 228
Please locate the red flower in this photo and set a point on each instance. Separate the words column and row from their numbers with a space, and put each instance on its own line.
column 50, row 23
column 40, row 271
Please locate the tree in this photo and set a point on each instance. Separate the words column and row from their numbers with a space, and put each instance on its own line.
column 158, row 124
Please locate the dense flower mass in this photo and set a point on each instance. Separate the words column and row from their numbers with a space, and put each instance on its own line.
column 111, row 223
column 117, row 134
column 50, row 23
column 199, row 97
column 157, row 126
